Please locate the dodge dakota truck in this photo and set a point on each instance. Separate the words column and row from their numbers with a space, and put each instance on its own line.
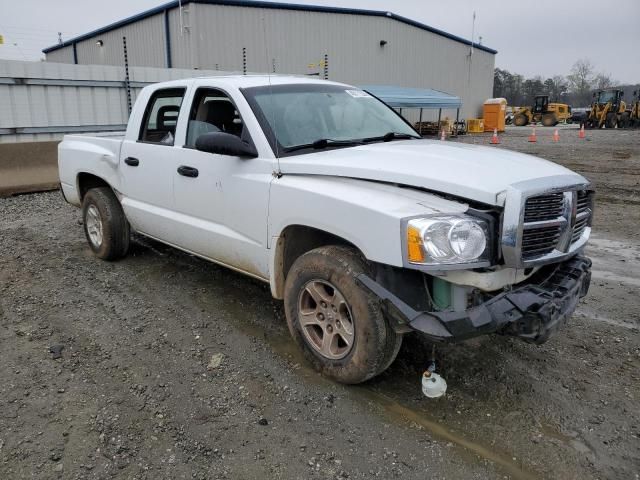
column 365, row 230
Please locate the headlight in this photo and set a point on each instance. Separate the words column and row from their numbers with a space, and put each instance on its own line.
column 442, row 240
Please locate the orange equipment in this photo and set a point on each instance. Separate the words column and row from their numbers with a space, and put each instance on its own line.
column 494, row 111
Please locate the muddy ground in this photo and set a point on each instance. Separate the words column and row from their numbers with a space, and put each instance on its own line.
column 175, row 368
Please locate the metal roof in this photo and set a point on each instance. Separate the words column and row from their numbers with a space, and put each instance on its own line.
column 402, row 97
column 272, row 5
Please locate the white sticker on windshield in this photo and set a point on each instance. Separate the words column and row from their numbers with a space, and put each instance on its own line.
column 358, row 93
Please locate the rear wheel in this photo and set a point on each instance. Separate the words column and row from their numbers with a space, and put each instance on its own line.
column 105, row 224
column 549, row 120
column 520, row 120
column 337, row 322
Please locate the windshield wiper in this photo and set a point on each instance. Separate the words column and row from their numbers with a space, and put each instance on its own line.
column 387, row 137
column 324, row 143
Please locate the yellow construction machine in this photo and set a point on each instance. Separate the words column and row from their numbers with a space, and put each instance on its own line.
column 608, row 110
column 550, row 114
column 634, row 114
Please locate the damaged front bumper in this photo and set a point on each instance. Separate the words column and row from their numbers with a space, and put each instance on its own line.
column 532, row 311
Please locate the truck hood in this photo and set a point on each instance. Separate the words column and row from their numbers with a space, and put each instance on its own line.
column 468, row 171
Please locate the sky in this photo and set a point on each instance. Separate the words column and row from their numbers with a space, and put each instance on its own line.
column 540, row 37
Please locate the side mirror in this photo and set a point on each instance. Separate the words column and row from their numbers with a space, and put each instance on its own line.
column 594, row 94
column 225, row 144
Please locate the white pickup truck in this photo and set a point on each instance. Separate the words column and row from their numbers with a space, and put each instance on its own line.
column 365, row 230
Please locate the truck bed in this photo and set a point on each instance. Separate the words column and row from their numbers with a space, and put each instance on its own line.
column 96, row 154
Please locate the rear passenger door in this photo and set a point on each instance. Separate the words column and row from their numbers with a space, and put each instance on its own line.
column 148, row 166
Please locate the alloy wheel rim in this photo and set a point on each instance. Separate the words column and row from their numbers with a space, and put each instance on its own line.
column 93, row 222
column 325, row 319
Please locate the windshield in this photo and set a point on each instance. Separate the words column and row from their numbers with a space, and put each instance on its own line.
column 606, row 97
column 296, row 116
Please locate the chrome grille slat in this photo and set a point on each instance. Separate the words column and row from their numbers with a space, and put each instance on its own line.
column 583, row 214
column 543, row 207
column 543, row 224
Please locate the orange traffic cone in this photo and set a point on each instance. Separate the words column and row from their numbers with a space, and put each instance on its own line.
column 443, row 136
column 581, row 134
column 556, row 136
column 533, row 138
column 494, row 139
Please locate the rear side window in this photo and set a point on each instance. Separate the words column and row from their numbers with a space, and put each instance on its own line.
column 161, row 116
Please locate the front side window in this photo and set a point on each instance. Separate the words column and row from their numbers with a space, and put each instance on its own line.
column 161, row 116
column 300, row 114
column 212, row 111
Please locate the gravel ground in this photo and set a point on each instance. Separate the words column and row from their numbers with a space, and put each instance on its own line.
column 164, row 366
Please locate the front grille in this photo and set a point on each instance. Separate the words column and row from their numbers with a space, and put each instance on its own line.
column 542, row 239
column 583, row 214
column 539, row 228
column 543, row 207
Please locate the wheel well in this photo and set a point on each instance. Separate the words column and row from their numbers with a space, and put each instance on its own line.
column 87, row 181
column 294, row 241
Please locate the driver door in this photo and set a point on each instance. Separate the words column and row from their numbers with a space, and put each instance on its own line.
column 221, row 201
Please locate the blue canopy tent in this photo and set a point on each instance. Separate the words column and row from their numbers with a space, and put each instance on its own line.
column 420, row 98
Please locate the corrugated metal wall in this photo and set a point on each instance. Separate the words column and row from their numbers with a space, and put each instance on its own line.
column 145, row 45
column 216, row 34
column 59, row 96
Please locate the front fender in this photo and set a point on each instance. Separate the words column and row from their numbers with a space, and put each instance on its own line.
column 365, row 213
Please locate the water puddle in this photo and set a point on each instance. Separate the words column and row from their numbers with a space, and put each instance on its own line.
column 552, row 432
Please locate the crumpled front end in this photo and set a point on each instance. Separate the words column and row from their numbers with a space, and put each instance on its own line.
column 532, row 310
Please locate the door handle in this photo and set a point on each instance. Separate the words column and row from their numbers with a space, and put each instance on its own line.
column 188, row 171
column 132, row 162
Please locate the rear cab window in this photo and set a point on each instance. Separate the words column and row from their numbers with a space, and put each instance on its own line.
column 161, row 117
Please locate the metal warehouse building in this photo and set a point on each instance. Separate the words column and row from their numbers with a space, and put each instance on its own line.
column 353, row 46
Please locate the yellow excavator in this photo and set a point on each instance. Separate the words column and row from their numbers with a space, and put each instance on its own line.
column 634, row 114
column 550, row 114
column 608, row 110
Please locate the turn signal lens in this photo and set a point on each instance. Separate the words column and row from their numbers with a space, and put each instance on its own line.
column 414, row 245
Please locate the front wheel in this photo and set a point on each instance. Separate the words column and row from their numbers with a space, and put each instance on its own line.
column 520, row 120
column 337, row 322
column 549, row 120
column 105, row 224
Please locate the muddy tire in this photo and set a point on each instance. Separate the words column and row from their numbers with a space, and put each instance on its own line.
column 105, row 224
column 612, row 120
column 338, row 323
column 549, row 120
column 520, row 120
